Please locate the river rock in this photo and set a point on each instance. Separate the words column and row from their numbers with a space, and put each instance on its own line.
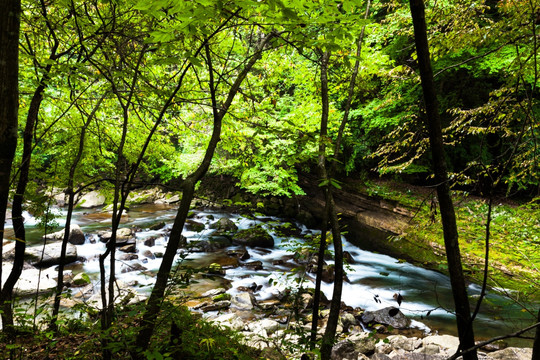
column 254, row 265
column 218, row 242
column 343, row 350
column 132, row 267
column 167, row 198
column 388, row 316
column 90, row 200
column 254, row 237
column 220, row 305
column 243, row 301
column 148, row 254
column 231, row 321
column 241, row 254
column 28, row 281
column 224, row 225
column 76, row 235
column 429, row 349
column 157, row 226
column 192, row 225
column 402, row 342
column 127, row 257
column 264, row 327
column 347, row 320
column 448, row 343
column 146, row 196
column 511, row 353
column 51, row 254
column 214, row 292
column 128, row 248
column 288, row 229
column 151, row 241
column 380, row 356
column 122, row 235
column 415, row 356
column 328, row 275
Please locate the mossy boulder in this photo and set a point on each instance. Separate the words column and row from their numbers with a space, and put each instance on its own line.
column 224, row 225
column 254, row 237
column 192, row 225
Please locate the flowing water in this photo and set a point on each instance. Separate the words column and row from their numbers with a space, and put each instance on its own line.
column 373, row 278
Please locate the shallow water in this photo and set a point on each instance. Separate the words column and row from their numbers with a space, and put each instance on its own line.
column 373, row 278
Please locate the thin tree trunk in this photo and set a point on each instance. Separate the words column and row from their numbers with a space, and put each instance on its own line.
column 6, row 296
column 322, row 245
column 156, row 298
column 433, row 124
column 318, row 278
column 536, row 344
column 67, row 230
column 335, row 304
column 9, row 101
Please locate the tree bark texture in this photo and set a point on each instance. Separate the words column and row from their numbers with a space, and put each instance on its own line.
column 433, row 124
column 335, row 305
column 9, row 100
column 536, row 344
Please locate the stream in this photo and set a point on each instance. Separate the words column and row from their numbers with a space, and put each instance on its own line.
column 373, row 278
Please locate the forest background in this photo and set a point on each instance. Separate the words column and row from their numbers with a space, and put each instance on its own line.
column 125, row 94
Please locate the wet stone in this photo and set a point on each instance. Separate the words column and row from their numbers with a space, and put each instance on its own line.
column 240, row 254
column 151, row 241
column 129, row 248
column 254, row 265
column 157, row 226
column 132, row 267
column 192, row 225
column 220, row 305
column 128, row 257
column 148, row 254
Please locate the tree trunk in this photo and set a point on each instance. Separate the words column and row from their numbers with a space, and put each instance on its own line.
column 71, row 196
column 536, row 345
column 433, row 124
column 335, row 305
column 9, row 101
column 6, row 296
column 156, row 298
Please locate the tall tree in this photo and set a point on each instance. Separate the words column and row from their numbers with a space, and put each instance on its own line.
column 9, row 100
column 188, row 187
column 448, row 216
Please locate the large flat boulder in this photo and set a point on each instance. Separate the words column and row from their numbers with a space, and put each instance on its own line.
column 90, row 200
column 49, row 255
column 28, row 281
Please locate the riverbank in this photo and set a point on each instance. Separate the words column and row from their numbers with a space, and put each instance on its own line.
column 402, row 220
column 239, row 202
